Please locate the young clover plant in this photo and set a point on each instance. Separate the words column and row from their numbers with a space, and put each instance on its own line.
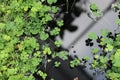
column 107, row 55
column 75, row 62
column 23, row 38
column 25, row 42
column 57, row 63
column 95, row 10
column 58, row 43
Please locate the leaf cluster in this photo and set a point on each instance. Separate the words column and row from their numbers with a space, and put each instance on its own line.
column 95, row 10
column 107, row 55
column 24, row 35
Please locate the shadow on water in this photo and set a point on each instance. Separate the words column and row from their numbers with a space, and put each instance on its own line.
column 64, row 72
column 68, row 12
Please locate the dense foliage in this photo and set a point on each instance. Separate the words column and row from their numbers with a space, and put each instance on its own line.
column 26, row 41
column 25, row 37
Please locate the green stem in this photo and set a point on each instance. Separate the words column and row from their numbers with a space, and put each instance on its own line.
column 72, row 5
column 67, row 5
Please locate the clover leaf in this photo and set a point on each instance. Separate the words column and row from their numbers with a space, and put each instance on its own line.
column 74, row 63
column 51, row 1
column 60, row 23
column 57, row 63
column 109, row 47
column 94, row 7
column 47, row 50
column 42, row 74
column 95, row 10
column 92, row 35
column 58, row 43
column 43, row 36
column 95, row 50
column 55, row 31
column 63, row 55
column 104, row 32
column 117, row 22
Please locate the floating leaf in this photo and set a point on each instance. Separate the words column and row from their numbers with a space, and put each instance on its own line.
column 57, row 64
column 55, row 31
column 75, row 62
column 109, row 47
column 95, row 50
column 47, row 50
column 92, row 35
column 104, row 32
column 42, row 74
column 63, row 55
column 95, row 10
column 58, row 43
column 51, row 1
column 43, row 36
column 117, row 22
column 116, row 58
column 60, row 23
column 1, row 45
column 54, row 9
column 94, row 7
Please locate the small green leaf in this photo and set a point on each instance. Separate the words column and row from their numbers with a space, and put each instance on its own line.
column 55, row 31
column 42, row 74
column 63, row 55
column 48, row 17
column 105, row 41
column 117, row 22
column 2, row 25
column 104, row 32
column 25, row 8
column 11, row 71
column 51, row 79
column 98, row 13
column 47, row 50
column 75, row 62
column 95, row 10
column 115, row 7
column 94, row 64
column 86, row 58
column 57, row 63
column 43, row 36
column 54, row 9
column 93, row 36
column 6, row 37
column 95, row 50
column 109, row 47
column 94, row 7
column 1, row 45
column 103, row 59
column 60, row 23
column 96, row 56
column 58, row 43
column 116, row 58
column 51, row 1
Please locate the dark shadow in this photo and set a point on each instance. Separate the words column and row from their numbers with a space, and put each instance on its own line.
column 64, row 72
column 68, row 9
column 91, row 25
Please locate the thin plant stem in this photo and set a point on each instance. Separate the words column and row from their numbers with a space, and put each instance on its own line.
column 72, row 5
column 67, row 5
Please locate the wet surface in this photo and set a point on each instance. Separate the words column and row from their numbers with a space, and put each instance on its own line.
column 75, row 41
